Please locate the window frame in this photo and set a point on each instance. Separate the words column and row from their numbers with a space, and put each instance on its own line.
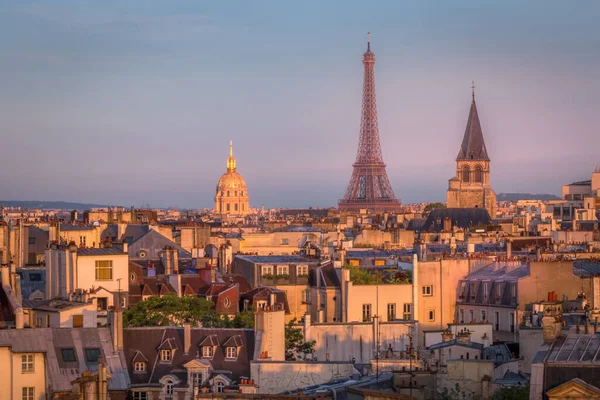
column 70, row 351
column 207, row 352
column 367, row 312
column 302, row 270
column 166, row 356
column 405, row 307
column 27, row 363
column 100, row 270
column 233, row 355
column 91, row 351
column 283, row 270
column 431, row 315
column 391, row 311
column 266, row 270
column 28, row 393
column 139, row 366
column 427, row 290
column 140, row 395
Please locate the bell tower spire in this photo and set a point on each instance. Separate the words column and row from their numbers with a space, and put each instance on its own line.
column 231, row 158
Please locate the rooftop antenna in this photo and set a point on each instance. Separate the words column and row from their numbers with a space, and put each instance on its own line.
column 473, row 89
column 368, row 41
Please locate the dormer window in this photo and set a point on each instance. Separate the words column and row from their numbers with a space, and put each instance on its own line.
column 139, row 366
column 207, row 352
column 231, row 353
column 165, row 356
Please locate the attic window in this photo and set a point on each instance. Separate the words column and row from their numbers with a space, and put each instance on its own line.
column 139, row 366
column 227, row 302
column 92, row 355
column 165, row 355
column 68, row 355
column 231, row 353
column 207, row 352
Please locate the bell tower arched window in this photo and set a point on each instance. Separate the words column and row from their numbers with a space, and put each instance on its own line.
column 478, row 175
column 466, row 174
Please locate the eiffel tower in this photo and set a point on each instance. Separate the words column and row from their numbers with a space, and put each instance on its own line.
column 369, row 186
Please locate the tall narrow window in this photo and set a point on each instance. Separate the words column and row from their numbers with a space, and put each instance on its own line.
column 366, row 309
column 391, row 311
column 478, row 175
column 431, row 315
column 407, row 311
column 466, row 174
column 461, row 314
column 497, row 320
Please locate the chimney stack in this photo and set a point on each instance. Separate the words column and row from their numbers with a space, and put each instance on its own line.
column 187, row 338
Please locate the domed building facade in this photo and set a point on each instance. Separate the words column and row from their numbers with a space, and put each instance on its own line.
column 232, row 193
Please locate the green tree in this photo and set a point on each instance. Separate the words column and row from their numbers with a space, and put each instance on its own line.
column 517, row 392
column 432, row 206
column 170, row 309
column 295, row 345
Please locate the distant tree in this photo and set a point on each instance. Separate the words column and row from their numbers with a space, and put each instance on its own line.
column 516, row 392
column 296, row 347
column 172, row 310
column 432, row 206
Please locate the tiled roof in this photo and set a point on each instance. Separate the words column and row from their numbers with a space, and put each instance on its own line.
column 147, row 340
column 461, row 217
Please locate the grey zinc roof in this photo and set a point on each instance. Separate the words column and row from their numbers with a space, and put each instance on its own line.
column 51, row 340
column 275, row 259
column 586, row 268
column 106, row 251
column 505, row 271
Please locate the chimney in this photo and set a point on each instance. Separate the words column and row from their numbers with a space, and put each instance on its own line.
column 125, row 246
column 116, row 328
column 464, row 336
column 102, row 381
column 175, row 258
column 508, row 248
column 485, row 340
column 167, row 261
column 447, row 335
column 187, row 338
column 550, row 328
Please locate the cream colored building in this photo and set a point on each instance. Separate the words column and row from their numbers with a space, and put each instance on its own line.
column 69, row 268
column 232, row 198
column 23, row 373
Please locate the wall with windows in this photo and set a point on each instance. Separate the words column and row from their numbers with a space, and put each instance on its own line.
column 104, row 270
column 23, row 375
column 366, row 301
column 343, row 341
column 435, row 292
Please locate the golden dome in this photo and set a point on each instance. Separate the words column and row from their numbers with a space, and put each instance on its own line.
column 231, row 180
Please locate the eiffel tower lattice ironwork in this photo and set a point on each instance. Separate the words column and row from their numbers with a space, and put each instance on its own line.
column 369, row 186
